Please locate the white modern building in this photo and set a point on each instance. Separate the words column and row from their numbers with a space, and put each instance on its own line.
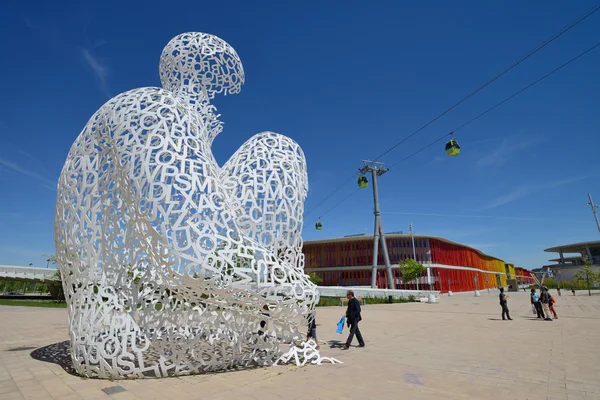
column 570, row 258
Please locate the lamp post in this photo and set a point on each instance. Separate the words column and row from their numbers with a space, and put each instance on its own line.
column 594, row 207
column 412, row 235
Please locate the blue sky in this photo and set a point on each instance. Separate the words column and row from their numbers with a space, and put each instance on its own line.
column 346, row 80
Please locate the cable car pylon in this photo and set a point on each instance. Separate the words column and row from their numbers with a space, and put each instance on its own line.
column 377, row 169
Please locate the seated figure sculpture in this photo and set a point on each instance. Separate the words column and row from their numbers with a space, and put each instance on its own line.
column 171, row 264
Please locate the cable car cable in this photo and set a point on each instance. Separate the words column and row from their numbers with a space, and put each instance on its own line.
column 499, row 103
column 528, row 86
column 477, row 117
column 330, row 194
column 340, row 202
column 513, row 65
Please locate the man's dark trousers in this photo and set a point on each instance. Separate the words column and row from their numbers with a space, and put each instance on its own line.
column 355, row 331
column 505, row 312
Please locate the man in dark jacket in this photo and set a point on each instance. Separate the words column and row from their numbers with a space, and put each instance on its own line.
column 353, row 318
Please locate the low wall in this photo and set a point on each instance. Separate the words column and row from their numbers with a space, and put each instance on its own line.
column 26, row 297
column 340, row 291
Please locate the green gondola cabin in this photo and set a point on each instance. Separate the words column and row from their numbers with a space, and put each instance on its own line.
column 452, row 148
column 362, row 182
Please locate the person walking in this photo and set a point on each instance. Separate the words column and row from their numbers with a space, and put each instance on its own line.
column 504, row 305
column 352, row 319
column 551, row 303
column 535, row 300
column 263, row 323
column 573, row 290
column 545, row 299
column 558, row 290
column 312, row 330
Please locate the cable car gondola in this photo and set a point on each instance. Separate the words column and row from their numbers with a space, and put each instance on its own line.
column 452, row 147
column 319, row 225
column 363, row 182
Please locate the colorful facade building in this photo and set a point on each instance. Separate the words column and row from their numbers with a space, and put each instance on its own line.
column 450, row 266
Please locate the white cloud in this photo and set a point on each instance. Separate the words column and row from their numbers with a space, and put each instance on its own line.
column 438, row 159
column 460, row 233
column 12, row 252
column 461, row 216
column 29, row 22
column 483, row 246
column 502, row 152
column 523, row 191
column 99, row 68
column 10, row 214
column 47, row 183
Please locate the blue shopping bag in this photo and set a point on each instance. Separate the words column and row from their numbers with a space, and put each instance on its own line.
column 340, row 325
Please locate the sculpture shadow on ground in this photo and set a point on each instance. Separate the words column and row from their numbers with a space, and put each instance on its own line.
column 59, row 354
column 56, row 353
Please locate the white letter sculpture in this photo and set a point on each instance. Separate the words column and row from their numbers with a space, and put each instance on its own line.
column 173, row 265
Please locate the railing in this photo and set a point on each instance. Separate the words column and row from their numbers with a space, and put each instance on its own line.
column 28, row 273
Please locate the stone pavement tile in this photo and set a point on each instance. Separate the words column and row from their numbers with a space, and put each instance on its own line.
column 44, row 375
column 574, row 393
column 555, row 396
column 22, row 376
column 146, row 393
column 35, row 394
column 592, row 387
column 12, row 396
column 72, row 397
column 82, row 385
column 88, row 393
column 179, row 393
column 528, row 396
column 69, row 379
column 8, row 387
column 575, row 385
column 56, row 388
column 124, row 396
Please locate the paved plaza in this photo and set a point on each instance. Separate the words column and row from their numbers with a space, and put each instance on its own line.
column 457, row 349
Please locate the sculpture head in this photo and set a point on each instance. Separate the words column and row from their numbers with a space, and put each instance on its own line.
column 199, row 64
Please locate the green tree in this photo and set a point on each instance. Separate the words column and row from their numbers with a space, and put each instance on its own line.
column 314, row 278
column 410, row 269
column 587, row 274
column 51, row 258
